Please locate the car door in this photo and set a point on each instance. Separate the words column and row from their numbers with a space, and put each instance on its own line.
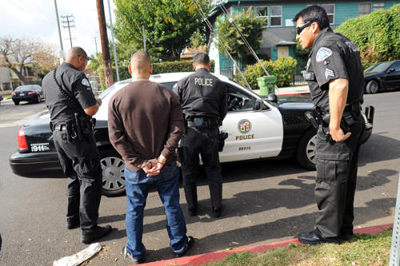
column 393, row 77
column 252, row 133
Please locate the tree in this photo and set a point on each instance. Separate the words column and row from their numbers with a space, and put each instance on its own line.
column 229, row 36
column 376, row 35
column 16, row 54
column 168, row 25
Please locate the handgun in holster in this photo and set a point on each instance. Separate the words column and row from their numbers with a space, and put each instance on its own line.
column 78, row 127
column 71, row 135
column 313, row 118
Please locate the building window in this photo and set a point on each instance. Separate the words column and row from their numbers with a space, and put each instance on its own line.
column 246, row 8
column 330, row 11
column 379, row 6
column 276, row 15
column 364, row 9
column 261, row 11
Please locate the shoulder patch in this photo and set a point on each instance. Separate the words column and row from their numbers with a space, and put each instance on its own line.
column 329, row 72
column 352, row 46
column 323, row 53
column 85, row 82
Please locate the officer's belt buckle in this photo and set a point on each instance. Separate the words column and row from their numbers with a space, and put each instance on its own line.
column 198, row 121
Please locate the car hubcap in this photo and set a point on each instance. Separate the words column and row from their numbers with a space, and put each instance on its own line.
column 310, row 149
column 113, row 173
column 374, row 87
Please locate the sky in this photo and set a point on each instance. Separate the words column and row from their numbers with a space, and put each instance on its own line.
column 36, row 20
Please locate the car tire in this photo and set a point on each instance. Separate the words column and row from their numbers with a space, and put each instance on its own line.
column 112, row 167
column 372, row 87
column 38, row 99
column 305, row 153
column 16, row 102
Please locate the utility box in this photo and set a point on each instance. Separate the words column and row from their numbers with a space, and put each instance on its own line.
column 266, row 85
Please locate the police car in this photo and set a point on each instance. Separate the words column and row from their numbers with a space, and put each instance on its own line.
column 257, row 128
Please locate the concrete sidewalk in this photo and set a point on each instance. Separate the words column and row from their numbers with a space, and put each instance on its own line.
column 290, row 91
column 221, row 255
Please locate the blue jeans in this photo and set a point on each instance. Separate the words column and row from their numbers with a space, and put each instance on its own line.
column 137, row 187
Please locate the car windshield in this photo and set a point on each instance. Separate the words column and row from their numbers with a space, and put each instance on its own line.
column 380, row 67
column 25, row 88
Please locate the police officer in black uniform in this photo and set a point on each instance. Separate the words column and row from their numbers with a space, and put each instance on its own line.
column 335, row 76
column 204, row 104
column 71, row 103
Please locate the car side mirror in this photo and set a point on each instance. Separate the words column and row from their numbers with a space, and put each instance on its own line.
column 273, row 97
column 258, row 105
column 391, row 70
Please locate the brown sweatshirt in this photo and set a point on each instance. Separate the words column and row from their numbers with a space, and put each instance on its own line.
column 145, row 120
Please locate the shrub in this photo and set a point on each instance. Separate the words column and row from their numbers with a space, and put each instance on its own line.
column 283, row 69
column 176, row 66
column 163, row 67
column 376, row 35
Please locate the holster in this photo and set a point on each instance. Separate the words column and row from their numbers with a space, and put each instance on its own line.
column 221, row 140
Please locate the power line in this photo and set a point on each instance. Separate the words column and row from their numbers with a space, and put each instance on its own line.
column 69, row 25
column 232, row 21
column 211, row 28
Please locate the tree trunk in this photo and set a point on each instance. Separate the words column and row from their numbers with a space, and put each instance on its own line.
column 19, row 75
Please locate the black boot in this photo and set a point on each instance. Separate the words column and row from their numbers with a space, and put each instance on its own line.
column 89, row 237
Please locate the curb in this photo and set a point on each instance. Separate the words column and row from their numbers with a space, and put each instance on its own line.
column 221, row 255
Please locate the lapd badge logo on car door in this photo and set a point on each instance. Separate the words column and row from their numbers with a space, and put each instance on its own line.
column 244, row 126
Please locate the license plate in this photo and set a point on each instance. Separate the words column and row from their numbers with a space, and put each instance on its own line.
column 21, row 94
column 38, row 147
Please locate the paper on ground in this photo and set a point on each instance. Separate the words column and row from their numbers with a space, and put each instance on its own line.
column 79, row 257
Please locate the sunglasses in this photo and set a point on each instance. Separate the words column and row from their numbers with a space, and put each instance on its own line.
column 87, row 58
column 302, row 27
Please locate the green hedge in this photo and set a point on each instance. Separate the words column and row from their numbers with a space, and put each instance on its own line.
column 176, row 66
column 376, row 35
column 283, row 69
column 163, row 67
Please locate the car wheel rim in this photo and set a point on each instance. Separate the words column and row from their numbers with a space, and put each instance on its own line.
column 310, row 149
column 374, row 86
column 113, row 173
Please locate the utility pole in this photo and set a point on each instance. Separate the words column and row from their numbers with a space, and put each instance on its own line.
column 95, row 42
column 112, row 36
column 59, row 33
column 104, row 44
column 69, row 26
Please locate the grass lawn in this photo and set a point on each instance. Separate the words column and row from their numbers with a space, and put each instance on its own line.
column 362, row 249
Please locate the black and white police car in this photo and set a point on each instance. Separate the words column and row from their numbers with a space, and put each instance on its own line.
column 257, row 128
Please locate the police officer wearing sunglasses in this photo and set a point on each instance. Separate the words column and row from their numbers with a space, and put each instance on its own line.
column 335, row 77
column 71, row 104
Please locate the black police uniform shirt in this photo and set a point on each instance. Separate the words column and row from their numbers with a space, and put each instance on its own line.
column 334, row 56
column 202, row 94
column 75, row 83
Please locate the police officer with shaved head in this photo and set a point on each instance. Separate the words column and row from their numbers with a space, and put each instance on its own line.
column 204, row 104
column 71, row 103
column 335, row 77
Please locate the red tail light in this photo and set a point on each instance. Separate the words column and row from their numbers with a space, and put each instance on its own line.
column 14, row 94
column 22, row 140
column 31, row 93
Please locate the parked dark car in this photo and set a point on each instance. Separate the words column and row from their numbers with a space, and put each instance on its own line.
column 30, row 93
column 382, row 77
column 258, row 128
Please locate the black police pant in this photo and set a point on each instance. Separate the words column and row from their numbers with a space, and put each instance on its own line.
column 80, row 162
column 337, row 164
column 203, row 142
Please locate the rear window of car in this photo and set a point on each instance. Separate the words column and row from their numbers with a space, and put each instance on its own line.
column 25, row 88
